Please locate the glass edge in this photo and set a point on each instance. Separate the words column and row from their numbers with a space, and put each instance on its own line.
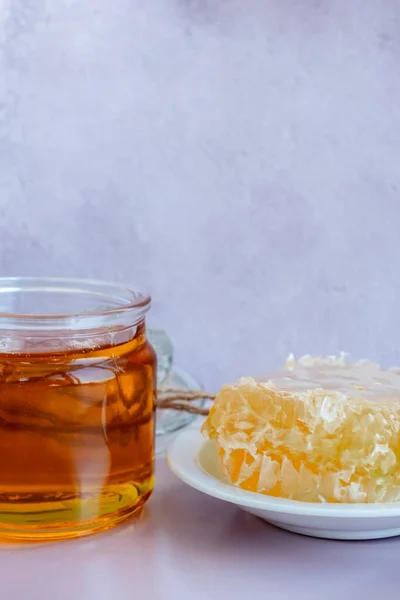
column 141, row 305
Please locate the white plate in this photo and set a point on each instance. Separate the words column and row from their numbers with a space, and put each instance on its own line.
column 194, row 460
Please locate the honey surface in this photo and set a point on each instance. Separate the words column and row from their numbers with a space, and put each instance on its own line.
column 320, row 430
column 76, row 438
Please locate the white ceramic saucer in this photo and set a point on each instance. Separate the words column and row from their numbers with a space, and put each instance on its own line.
column 194, row 460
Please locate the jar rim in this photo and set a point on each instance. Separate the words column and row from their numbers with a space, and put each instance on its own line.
column 126, row 300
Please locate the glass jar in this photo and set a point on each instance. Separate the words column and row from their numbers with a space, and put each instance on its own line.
column 77, row 397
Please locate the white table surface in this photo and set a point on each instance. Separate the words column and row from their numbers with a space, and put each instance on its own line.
column 188, row 546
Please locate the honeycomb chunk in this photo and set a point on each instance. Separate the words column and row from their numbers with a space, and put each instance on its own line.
column 320, row 430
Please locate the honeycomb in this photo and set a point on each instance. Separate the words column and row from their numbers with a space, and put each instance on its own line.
column 319, row 430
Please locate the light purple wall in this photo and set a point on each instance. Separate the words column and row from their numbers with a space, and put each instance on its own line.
column 239, row 159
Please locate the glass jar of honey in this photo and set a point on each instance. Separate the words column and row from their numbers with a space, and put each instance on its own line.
column 77, row 396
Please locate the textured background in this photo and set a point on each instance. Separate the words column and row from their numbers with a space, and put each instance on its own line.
column 240, row 160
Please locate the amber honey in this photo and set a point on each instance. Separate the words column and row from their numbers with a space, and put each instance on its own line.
column 76, row 437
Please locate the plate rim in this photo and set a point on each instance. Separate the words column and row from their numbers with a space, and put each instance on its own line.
column 182, row 459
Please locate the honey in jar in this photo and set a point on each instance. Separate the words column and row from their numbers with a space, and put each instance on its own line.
column 77, row 388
